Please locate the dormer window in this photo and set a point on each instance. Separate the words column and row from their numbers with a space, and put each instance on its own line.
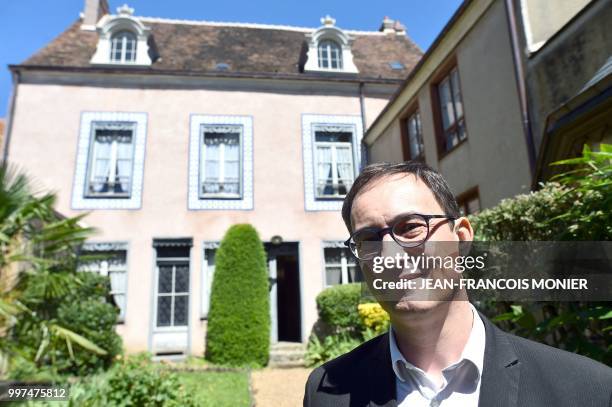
column 330, row 55
column 329, row 49
column 123, row 47
column 123, row 40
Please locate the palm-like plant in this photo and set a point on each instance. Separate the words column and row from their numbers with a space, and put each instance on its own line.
column 38, row 258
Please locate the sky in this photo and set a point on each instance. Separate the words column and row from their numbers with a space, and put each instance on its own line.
column 27, row 25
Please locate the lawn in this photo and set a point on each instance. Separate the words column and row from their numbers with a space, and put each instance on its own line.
column 213, row 388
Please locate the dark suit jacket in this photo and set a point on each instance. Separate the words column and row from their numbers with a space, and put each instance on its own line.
column 517, row 372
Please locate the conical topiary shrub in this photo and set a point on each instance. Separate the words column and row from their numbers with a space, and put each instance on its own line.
column 239, row 317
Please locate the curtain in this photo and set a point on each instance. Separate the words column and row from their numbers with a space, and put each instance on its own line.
column 101, row 170
column 345, row 166
column 232, row 168
column 324, row 169
column 118, row 287
column 211, row 167
column 124, row 164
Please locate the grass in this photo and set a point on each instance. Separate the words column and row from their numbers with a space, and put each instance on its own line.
column 212, row 388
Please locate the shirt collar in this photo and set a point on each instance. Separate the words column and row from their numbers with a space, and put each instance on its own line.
column 473, row 350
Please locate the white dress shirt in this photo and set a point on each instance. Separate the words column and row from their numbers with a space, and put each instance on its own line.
column 461, row 380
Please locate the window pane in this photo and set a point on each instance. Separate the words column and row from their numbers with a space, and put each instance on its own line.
column 180, row 310
column 165, row 279
column 452, row 139
column 473, row 205
column 330, row 55
column 333, row 256
column 414, row 136
column 164, row 310
column 221, row 165
column 334, row 136
column 324, row 171
column 446, row 104
column 181, row 284
column 457, row 93
column 333, row 275
column 344, row 165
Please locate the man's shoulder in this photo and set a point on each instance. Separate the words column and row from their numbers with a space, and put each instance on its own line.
column 546, row 361
column 346, row 368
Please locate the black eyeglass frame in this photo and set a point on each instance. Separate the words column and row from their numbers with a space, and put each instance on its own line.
column 383, row 231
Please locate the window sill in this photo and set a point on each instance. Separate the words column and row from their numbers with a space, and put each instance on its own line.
column 220, row 197
column 443, row 154
column 107, row 197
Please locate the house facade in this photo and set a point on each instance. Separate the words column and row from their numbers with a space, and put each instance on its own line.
column 476, row 107
column 167, row 132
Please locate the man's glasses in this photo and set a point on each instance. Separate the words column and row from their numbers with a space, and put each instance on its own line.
column 410, row 230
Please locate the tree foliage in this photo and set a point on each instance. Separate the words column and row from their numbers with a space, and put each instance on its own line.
column 238, row 330
column 575, row 205
column 38, row 258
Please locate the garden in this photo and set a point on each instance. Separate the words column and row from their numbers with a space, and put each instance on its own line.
column 57, row 324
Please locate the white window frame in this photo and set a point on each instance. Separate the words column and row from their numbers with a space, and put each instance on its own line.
column 333, row 146
column 80, row 198
column 93, row 156
column 207, row 128
column 324, row 48
column 93, row 247
column 345, row 259
column 124, row 42
column 195, row 200
column 310, row 124
column 172, row 294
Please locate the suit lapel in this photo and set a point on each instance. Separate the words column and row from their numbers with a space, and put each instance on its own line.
column 501, row 370
column 381, row 383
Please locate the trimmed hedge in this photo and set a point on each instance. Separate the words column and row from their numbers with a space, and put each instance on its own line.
column 337, row 306
column 239, row 318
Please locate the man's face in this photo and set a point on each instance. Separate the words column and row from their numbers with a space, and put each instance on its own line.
column 378, row 205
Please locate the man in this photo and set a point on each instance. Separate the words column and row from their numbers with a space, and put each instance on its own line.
column 440, row 351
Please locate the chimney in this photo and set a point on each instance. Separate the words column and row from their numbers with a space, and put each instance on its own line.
column 390, row 26
column 94, row 10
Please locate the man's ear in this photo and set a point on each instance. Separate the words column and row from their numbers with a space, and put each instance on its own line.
column 463, row 229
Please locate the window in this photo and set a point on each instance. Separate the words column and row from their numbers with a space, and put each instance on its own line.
column 397, row 65
column 331, row 155
column 173, row 294
column 123, row 47
column 452, row 124
column 414, row 134
column 220, row 167
column 108, row 259
column 330, row 55
column 340, row 266
column 334, row 163
column 220, row 162
column 109, row 166
column 469, row 202
column 110, row 162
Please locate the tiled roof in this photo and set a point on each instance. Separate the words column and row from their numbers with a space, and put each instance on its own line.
column 197, row 48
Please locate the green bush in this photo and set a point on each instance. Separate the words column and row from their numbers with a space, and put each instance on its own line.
column 318, row 352
column 337, row 307
column 576, row 206
column 238, row 330
column 86, row 310
column 134, row 381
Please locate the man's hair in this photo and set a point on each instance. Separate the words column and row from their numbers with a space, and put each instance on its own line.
column 434, row 181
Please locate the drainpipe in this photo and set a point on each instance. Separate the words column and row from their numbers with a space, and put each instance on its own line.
column 364, row 148
column 9, row 119
column 521, row 85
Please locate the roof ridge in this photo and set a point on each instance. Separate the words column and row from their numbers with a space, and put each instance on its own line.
column 247, row 25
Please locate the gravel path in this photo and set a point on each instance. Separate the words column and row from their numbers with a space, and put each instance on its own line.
column 279, row 387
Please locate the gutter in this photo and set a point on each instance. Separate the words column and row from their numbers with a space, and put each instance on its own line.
column 521, row 87
column 11, row 113
column 363, row 146
column 351, row 78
